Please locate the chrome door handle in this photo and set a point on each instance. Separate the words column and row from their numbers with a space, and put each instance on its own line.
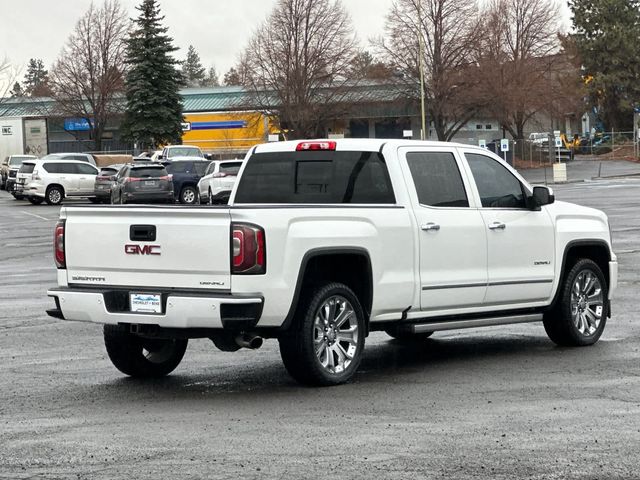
column 497, row 226
column 430, row 226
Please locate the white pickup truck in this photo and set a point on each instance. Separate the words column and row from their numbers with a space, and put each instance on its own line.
column 325, row 241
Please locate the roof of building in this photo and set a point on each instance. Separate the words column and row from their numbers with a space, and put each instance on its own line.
column 220, row 99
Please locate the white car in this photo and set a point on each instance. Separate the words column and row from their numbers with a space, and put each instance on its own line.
column 54, row 180
column 218, row 181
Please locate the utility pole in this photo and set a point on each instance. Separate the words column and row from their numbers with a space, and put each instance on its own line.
column 423, row 133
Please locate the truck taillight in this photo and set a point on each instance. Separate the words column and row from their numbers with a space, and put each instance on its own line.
column 58, row 245
column 248, row 244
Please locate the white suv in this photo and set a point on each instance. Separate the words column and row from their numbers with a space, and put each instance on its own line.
column 218, row 181
column 54, row 180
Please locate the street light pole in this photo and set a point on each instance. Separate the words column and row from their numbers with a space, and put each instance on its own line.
column 421, row 68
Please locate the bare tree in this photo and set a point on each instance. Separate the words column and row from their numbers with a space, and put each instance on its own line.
column 8, row 76
column 88, row 75
column 298, row 62
column 515, row 60
column 450, row 31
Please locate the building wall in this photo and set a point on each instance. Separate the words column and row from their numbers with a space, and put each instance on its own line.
column 226, row 131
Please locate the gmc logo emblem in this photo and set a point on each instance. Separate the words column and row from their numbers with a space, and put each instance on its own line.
column 142, row 249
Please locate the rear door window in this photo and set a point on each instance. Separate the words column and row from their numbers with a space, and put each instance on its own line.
column 316, row 177
column 437, row 179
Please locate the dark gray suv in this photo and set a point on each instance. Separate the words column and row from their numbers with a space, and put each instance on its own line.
column 142, row 183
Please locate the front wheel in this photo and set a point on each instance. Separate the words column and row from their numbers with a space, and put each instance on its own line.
column 325, row 343
column 580, row 315
column 142, row 357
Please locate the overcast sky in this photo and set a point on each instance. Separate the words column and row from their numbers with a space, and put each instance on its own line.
column 218, row 29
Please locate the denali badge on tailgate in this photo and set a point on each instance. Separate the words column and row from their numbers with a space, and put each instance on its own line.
column 142, row 249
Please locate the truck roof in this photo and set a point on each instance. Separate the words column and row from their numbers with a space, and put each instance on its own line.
column 358, row 144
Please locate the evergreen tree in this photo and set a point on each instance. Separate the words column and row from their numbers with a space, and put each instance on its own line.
column 36, row 80
column 16, row 91
column 607, row 34
column 232, row 77
column 211, row 80
column 192, row 69
column 153, row 113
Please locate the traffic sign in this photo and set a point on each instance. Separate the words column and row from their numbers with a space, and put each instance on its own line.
column 482, row 143
column 558, row 142
column 504, row 145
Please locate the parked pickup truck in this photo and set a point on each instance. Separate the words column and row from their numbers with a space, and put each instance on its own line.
column 325, row 241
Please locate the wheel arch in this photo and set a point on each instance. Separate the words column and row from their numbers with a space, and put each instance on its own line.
column 594, row 249
column 348, row 265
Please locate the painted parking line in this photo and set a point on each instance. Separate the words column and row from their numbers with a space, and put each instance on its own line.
column 34, row 215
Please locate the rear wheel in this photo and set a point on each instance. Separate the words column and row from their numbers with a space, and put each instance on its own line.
column 188, row 196
column 580, row 315
column 35, row 200
column 325, row 344
column 142, row 357
column 54, row 195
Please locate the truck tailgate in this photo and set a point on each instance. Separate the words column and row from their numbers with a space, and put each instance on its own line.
column 165, row 247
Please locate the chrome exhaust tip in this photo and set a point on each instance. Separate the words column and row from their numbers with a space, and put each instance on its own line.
column 252, row 342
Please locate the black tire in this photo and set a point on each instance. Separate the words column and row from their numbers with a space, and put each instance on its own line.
column 297, row 346
column 127, row 353
column 54, row 195
column 35, row 200
column 188, row 195
column 559, row 323
column 403, row 336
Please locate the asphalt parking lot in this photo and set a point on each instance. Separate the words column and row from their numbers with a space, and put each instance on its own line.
column 502, row 402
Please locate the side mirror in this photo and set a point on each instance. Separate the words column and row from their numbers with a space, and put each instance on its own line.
column 113, row 178
column 542, row 196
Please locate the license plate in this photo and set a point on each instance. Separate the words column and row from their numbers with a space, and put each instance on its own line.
column 150, row 182
column 145, row 302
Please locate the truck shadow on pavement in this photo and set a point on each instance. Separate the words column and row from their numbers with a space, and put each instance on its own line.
column 432, row 361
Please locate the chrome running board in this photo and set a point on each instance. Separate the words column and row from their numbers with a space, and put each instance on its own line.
column 477, row 322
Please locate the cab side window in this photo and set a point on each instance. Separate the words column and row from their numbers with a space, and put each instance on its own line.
column 437, row 179
column 497, row 186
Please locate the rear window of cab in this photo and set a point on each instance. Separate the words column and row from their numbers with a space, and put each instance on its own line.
column 316, row 177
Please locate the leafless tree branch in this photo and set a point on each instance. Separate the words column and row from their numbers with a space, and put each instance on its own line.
column 88, row 75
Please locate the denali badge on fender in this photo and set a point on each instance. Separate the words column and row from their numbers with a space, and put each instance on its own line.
column 142, row 249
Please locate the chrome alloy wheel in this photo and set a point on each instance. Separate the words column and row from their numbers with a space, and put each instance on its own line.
column 587, row 302
column 335, row 334
column 55, row 196
column 189, row 196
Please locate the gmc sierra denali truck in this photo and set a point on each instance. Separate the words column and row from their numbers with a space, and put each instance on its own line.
column 325, row 241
